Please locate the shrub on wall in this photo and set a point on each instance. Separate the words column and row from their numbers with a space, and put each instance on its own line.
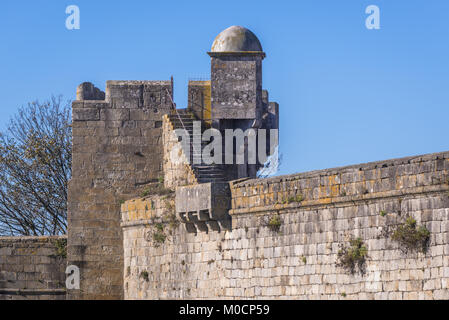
column 353, row 257
column 274, row 224
column 294, row 199
column 158, row 234
column 61, row 248
column 410, row 236
column 145, row 276
column 157, row 189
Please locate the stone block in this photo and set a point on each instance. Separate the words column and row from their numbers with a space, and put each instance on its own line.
column 85, row 114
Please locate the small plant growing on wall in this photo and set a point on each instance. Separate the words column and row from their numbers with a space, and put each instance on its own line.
column 274, row 224
column 145, row 276
column 353, row 257
column 298, row 198
column 169, row 205
column 172, row 222
column 410, row 236
column 159, row 236
column 169, row 215
column 157, row 189
column 61, row 248
column 145, row 192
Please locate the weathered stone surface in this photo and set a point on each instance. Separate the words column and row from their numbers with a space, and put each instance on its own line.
column 87, row 91
column 236, row 39
column 114, row 158
column 285, row 233
column 85, row 114
column 299, row 262
column 206, row 201
column 177, row 171
column 236, row 82
column 32, row 268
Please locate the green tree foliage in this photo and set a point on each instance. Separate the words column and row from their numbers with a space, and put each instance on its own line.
column 35, row 166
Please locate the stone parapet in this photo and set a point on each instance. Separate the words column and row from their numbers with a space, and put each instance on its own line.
column 295, row 255
column 33, row 268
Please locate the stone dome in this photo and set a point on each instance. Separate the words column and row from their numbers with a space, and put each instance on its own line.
column 236, row 39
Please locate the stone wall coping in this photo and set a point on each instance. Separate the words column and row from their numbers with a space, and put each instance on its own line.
column 33, row 291
column 31, row 238
column 344, row 169
column 97, row 103
column 341, row 201
column 135, row 223
column 138, row 82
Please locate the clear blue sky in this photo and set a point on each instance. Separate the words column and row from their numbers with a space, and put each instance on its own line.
column 347, row 94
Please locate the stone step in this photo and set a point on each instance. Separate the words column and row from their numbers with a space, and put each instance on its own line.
column 185, row 121
column 182, row 116
column 203, row 172
column 178, row 125
column 210, row 176
column 208, row 166
column 212, row 169
column 210, row 173
column 176, row 119
column 206, row 180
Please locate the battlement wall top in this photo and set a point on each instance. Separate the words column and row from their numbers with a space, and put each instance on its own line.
column 397, row 162
column 5, row 240
column 137, row 83
column 425, row 174
column 32, row 268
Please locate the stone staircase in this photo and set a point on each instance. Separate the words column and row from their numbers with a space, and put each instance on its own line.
column 182, row 119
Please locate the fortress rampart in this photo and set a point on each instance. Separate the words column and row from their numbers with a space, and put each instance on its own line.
column 32, row 268
column 117, row 150
column 143, row 225
column 151, row 217
column 319, row 212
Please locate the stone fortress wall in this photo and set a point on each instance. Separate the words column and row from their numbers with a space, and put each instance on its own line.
column 32, row 268
column 142, row 225
column 319, row 212
column 117, row 152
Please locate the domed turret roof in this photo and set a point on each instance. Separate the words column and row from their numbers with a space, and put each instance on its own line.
column 236, row 39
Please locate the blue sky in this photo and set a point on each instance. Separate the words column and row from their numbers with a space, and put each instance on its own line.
column 347, row 94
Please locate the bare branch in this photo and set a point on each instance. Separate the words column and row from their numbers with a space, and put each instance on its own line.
column 35, row 167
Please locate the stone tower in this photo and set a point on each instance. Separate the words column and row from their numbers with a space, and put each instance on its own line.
column 121, row 148
column 237, row 98
column 117, row 151
column 236, row 76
